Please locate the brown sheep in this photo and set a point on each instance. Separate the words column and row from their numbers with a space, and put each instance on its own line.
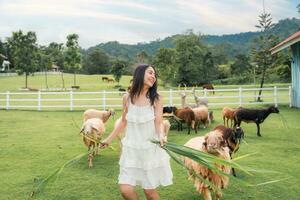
column 92, row 130
column 186, row 115
column 201, row 115
column 212, row 143
column 101, row 114
column 228, row 114
column 209, row 86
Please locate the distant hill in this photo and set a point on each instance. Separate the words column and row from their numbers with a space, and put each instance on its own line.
column 240, row 42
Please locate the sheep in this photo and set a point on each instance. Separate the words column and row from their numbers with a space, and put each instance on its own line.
column 228, row 114
column 209, row 86
column 201, row 115
column 104, row 78
column 233, row 138
column 101, row 114
column 169, row 109
column 256, row 116
column 212, row 143
column 92, row 130
column 199, row 100
column 186, row 115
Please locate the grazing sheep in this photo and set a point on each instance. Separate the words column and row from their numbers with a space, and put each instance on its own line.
column 233, row 138
column 201, row 115
column 228, row 114
column 110, row 80
column 256, row 116
column 169, row 109
column 212, row 143
column 101, row 114
column 92, row 130
column 209, row 86
column 186, row 115
column 104, row 78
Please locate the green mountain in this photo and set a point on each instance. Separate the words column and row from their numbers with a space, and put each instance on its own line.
column 235, row 43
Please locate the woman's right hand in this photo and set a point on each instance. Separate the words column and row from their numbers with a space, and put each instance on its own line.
column 104, row 144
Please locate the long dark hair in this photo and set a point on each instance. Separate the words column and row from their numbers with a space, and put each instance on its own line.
column 138, row 82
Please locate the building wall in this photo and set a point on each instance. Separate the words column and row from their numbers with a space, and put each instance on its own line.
column 296, row 75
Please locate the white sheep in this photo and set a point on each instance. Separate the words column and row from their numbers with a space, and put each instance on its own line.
column 92, row 130
column 201, row 115
column 101, row 114
column 212, row 143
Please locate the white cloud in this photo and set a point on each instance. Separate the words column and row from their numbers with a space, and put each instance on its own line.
column 131, row 21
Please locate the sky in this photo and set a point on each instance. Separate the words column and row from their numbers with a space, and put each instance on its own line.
column 131, row 22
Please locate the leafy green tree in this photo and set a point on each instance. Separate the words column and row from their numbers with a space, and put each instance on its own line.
column 241, row 65
column 261, row 53
column 72, row 55
column 118, row 69
column 189, row 59
column 165, row 65
column 96, row 62
column 142, row 57
column 24, row 52
column 209, row 68
column 45, row 62
column 56, row 53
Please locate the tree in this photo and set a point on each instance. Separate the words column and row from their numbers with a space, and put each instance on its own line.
column 96, row 62
column 45, row 62
column 241, row 65
column 142, row 57
column 209, row 68
column 189, row 59
column 261, row 53
column 72, row 55
column 165, row 65
column 56, row 53
column 118, row 69
column 24, row 52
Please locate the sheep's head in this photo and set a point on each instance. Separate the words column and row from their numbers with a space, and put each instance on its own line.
column 214, row 142
column 273, row 109
column 112, row 112
column 239, row 133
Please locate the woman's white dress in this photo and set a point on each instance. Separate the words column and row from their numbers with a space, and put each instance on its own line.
column 143, row 162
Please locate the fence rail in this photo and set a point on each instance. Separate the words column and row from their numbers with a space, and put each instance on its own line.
column 113, row 99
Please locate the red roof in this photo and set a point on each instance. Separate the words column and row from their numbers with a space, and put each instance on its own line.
column 286, row 43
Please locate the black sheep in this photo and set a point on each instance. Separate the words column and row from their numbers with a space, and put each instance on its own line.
column 169, row 109
column 232, row 138
column 256, row 116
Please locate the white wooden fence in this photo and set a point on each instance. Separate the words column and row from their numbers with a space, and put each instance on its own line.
column 72, row 100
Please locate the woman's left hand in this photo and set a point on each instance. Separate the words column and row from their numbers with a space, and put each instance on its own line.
column 162, row 139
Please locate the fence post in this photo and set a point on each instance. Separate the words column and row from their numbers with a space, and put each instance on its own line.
column 240, row 96
column 39, row 100
column 71, row 100
column 7, row 100
column 275, row 96
column 171, row 97
column 104, row 100
column 205, row 92
column 290, row 96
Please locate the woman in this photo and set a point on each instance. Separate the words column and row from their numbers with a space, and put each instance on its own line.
column 142, row 162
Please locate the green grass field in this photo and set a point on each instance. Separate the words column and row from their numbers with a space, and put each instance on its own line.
column 33, row 144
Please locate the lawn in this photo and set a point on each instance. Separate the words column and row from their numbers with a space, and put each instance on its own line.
column 33, row 144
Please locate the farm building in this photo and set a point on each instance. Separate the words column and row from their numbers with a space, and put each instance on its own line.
column 294, row 42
